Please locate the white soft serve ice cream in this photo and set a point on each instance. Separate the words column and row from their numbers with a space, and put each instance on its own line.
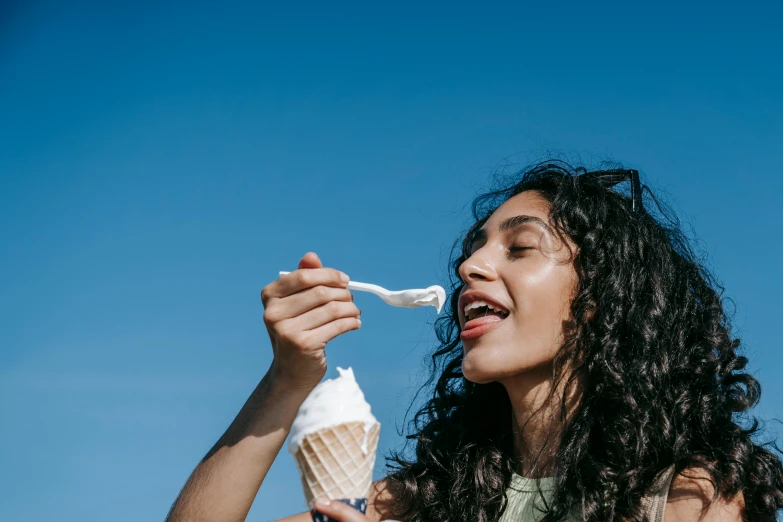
column 332, row 402
column 433, row 295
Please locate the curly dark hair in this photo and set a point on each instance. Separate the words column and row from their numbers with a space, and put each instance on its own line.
column 661, row 378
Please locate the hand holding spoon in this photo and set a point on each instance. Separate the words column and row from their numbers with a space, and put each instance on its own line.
column 433, row 295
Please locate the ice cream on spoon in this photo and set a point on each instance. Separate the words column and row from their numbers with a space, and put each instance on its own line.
column 433, row 295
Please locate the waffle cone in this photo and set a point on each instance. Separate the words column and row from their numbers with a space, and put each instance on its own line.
column 332, row 462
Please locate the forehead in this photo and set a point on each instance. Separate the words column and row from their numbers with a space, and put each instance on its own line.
column 526, row 203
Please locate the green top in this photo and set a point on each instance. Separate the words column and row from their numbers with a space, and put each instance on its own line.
column 524, row 499
column 525, row 502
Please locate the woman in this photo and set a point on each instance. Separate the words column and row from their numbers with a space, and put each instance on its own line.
column 587, row 371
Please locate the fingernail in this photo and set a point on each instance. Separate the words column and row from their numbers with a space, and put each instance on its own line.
column 322, row 502
column 344, row 277
column 359, row 321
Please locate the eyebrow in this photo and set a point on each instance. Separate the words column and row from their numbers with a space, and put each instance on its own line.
column 512, row 223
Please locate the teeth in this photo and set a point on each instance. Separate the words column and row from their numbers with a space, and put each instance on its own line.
column 478, row 304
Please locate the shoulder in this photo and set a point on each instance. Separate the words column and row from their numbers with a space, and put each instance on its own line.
column 382, row 501
column 689, row 499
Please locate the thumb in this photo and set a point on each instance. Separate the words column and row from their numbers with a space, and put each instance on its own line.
column 310, row 260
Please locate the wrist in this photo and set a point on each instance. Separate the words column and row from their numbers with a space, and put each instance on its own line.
column 281, row 380
column 282, row 387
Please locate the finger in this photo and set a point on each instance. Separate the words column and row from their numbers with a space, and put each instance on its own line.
column 323, row 334
column 302, row 279
column 310, row 260
column 322, row 315
column 313, row 341
column 304, row 301
column 339, row 511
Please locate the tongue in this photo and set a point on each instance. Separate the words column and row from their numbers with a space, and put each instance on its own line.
column 479, row 321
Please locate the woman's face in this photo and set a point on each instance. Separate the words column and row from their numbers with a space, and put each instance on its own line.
column 518, row 263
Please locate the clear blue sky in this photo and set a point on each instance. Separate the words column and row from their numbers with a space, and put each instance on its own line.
column 160, row 164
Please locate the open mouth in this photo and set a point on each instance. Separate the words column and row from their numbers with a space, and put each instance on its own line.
column 480, row 317
column 479, row 309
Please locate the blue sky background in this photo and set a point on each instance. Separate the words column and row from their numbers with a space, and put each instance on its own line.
column 159, row 165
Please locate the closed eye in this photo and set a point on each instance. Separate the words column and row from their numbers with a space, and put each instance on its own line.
column 518, row 248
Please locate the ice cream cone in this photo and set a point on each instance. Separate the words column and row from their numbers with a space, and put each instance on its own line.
column 333, row 440
column 336, row 462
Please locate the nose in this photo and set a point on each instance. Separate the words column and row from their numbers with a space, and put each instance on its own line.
column 477, row 267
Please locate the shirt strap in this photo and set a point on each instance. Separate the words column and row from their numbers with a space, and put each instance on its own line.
column 654, row 501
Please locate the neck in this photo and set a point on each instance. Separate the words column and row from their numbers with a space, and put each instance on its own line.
column 538, row 421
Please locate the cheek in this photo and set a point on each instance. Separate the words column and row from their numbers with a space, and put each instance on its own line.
column 534, row 332
column 543, row 297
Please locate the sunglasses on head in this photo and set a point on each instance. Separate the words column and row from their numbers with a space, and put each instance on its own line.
column 610, row 178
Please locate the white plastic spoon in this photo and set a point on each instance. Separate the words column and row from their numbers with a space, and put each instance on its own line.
column 433, row 295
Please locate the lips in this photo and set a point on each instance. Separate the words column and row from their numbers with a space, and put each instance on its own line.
column 479, row 326
column 479, row 321
column 473, row 295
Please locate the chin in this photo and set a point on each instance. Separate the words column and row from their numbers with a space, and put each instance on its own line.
column 481, row 368
column 485, row 364
column 476, row 376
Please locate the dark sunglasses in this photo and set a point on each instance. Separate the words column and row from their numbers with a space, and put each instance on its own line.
column 610, row 178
